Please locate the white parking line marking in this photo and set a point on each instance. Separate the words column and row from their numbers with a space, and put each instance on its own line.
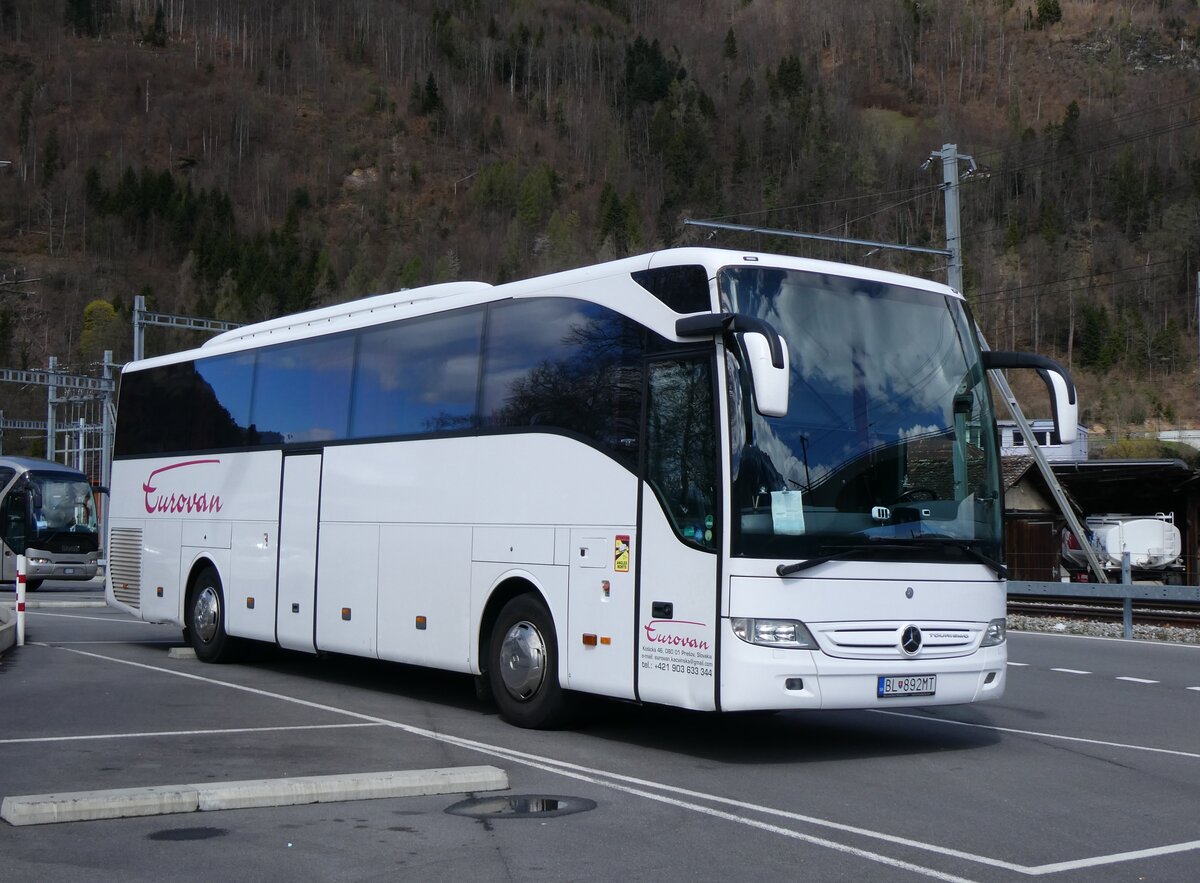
column 561, row 768
column 184, row 733
column 945, row 720
column 1137, row 680
column 1019, row 664
column 610, row 780
column 1071, row 671
column 1197, row 689
column 1062, row 636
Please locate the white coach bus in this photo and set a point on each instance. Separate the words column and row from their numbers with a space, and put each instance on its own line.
column 701, row 478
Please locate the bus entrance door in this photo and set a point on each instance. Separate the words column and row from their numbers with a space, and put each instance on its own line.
column 299, row 511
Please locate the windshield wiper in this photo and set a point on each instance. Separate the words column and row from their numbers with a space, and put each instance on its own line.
column 943, row 542
column 841, row 555
column 790, row 569
column 968, row 550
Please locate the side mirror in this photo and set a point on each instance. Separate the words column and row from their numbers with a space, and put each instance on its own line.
column 770, row 382
column 1058, row 381
column 766, row 353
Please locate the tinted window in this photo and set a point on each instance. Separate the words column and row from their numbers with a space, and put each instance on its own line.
column 419, row 376
column 681, row 447
column 230, row 379
column 557, row 363
column 302, row 391
column 550, row 363
column 683, row 289
column 186, row 406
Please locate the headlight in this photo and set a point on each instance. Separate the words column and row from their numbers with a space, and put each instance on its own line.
column 783, row 633
column 39, row 561
column 994, row 634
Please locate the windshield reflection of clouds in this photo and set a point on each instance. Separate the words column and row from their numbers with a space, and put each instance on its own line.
column 875, row 371
column 869, row 368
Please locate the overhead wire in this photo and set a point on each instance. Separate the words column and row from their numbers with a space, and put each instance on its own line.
column 1113, row 283
column 1127, row 269
column 1051, row 137
column 924, row 190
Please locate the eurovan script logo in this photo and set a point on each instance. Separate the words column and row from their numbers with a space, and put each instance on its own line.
column 657, row 634
column 179, row 501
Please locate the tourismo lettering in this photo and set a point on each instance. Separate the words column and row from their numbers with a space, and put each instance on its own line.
column 655, row 636
column 179, row 503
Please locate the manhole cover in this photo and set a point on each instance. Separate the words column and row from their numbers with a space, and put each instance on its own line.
column 521, row 806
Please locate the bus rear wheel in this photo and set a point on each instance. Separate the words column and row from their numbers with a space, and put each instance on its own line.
column 523, row 667
column 206, row 618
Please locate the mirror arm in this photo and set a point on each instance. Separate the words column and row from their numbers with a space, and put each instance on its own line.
column 999, row 359
column 723, row 323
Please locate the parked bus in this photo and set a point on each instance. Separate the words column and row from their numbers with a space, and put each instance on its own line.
column 701, row 478
column 47, row 514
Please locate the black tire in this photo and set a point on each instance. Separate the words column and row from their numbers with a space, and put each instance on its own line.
column 523, row 667
column 32, row 585
column 206, row 618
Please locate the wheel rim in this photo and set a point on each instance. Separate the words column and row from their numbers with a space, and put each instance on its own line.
column 523, row 660
column 207, row 613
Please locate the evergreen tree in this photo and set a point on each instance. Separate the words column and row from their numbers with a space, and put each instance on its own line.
column 157, row 35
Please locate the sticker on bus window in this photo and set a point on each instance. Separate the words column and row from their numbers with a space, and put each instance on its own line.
column 621, row 552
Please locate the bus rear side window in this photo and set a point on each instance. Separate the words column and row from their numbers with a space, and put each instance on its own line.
column 189, row 406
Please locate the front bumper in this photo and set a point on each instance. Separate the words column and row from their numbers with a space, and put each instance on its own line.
column 757, row 678
column 82, row 569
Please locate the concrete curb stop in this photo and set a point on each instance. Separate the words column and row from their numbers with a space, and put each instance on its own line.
column 30, row 605
column 78, row 806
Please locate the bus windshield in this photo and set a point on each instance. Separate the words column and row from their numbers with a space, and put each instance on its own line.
column 889, row 441
column 60, row 504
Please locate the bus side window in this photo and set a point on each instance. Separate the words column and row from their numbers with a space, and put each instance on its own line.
column 681, row 453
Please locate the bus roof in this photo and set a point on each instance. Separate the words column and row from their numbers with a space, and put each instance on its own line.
column 411, row 302
column 32, row 464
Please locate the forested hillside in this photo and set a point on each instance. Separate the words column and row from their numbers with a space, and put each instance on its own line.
column 244, row 158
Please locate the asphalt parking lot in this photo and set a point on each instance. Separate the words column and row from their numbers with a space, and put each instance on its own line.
column 104, row 706
column 1087, row 770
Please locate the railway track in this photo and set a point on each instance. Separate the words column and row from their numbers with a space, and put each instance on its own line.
column 1103, row 610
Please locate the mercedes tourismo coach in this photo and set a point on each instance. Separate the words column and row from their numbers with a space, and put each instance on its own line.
column 702, row 478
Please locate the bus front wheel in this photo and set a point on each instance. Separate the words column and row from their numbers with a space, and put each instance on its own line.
column 206, row 618
column 523, row 667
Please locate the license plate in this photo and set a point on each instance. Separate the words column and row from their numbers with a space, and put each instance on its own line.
column 68, row 570
column 905, row 685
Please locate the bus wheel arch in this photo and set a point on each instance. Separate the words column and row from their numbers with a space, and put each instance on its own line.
column 519, row 657
column 204, row 614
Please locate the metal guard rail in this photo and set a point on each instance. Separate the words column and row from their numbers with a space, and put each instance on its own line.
column 1126, row 591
